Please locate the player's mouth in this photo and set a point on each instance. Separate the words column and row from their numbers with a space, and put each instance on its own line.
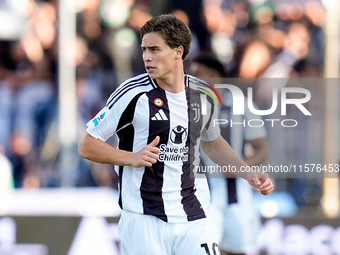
column 150, row 69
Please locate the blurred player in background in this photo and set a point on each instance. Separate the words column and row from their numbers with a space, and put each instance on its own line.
column 160, row 129
column 237, row 221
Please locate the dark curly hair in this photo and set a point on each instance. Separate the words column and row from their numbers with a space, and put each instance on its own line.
column 174, row 32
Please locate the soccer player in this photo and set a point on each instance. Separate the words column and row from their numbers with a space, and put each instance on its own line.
column 160, row 123
column 232, row 204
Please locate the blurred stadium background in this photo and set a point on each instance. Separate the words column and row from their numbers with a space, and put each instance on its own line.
column 59, row 62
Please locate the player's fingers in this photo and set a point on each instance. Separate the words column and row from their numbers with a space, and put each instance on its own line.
column 267, row 191
column 146, row 163
column 152, row 152
column 151, row 156
column 266, row 182
column 266, row 188
column 254, row 182
column 155, row 141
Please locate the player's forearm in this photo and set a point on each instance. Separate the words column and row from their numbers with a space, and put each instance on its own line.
column 261, row 152
column 98, row 151
column 222, row 154
column 259, row 157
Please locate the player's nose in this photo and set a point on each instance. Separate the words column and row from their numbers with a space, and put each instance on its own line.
column 146, row 56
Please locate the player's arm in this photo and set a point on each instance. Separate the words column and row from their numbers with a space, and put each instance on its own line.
column 260, row 154
column 98, row 151
column 222, row 154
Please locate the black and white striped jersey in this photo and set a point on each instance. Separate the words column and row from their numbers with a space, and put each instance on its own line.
column 237, row 132
column 138, row 111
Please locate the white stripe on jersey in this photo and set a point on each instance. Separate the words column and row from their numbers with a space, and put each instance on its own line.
column 173, row 171
column 133, row 176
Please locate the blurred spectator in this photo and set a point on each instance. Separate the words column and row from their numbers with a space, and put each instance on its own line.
column 235, row 24
column 6, row 177
column 28, row 91
column 5, row 98
column 31, row 104
column 90, row 78
column 194, row 12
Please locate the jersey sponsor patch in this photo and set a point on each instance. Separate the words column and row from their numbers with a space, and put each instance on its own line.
column 178, row 134
column 169, row 153
column 98, row 119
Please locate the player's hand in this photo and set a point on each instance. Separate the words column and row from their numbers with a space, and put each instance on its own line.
column 148, row 155
column 262, row 183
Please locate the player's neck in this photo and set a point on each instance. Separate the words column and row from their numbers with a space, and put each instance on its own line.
column 172, row 82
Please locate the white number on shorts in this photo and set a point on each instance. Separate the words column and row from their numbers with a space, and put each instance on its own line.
column 215, row 248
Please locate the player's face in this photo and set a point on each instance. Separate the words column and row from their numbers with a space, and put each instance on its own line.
column 159, row 59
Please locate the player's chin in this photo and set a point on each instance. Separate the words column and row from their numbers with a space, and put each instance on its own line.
column 153, row 75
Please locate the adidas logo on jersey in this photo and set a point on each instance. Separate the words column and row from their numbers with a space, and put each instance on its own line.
column 160, row 115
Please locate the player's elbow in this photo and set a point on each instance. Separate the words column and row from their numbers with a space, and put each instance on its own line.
column 210, row 146
column 82, row 150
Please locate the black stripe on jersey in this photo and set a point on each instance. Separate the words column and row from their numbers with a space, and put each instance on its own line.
column 186, row 82
column 191, row 205
column 225, row 112
column 232, row 194
column 120, row 177
column 225, row 132
column 126, row 137
column 152, row 180
column 211, row 102
column 231, row 182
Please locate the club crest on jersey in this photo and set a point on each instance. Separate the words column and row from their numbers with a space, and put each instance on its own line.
column 158, row 102
column 178, row 134
column 196, row 108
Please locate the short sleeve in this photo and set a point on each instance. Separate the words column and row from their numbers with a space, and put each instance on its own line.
column 211, row 130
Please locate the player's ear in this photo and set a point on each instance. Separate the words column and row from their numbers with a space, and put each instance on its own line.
column 179, row 52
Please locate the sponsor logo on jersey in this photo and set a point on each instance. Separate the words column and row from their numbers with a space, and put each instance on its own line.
column 98, row 119
column 178, row 134
column 160, row 115
column 169, row 153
